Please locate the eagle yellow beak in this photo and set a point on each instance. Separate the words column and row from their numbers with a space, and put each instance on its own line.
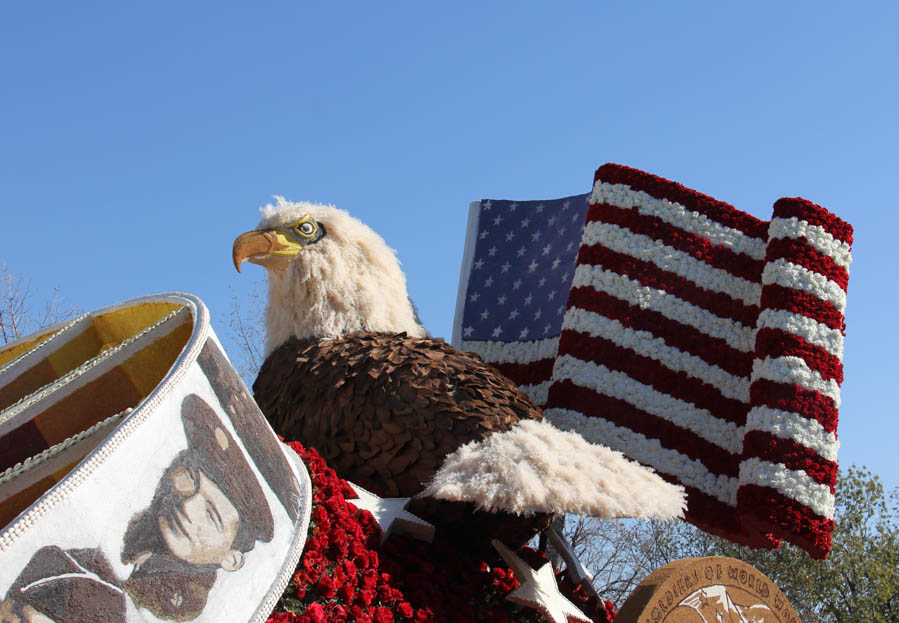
column 266, row 247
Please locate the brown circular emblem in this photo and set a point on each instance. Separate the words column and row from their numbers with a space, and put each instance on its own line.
column 707, row 590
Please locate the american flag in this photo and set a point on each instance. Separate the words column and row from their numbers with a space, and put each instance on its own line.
column 691, row 336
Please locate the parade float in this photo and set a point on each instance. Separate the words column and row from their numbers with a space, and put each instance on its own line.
column 641, row 350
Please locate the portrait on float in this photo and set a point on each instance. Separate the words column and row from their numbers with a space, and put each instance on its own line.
column 208, row 485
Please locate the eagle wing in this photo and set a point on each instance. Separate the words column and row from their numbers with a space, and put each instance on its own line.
column 385, row 409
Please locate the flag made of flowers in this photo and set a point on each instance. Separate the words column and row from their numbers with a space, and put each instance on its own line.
column 687, row 334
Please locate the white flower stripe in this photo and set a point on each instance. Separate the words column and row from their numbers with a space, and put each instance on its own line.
column 648, row 345
column 794, row 484
column 638, row 447
column 817, row 236
column 736, row 335
column 802, row 430
column 600, row 379
column 667, row 258
column 807, row 328
column 622, row 196
column 538, row 393
column 789, row 275
column 794, row 370
column 513, row 352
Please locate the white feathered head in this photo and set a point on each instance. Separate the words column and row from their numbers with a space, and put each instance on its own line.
column 328, row 274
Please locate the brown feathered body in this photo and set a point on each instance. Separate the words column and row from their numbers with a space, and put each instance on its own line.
column 385, row 409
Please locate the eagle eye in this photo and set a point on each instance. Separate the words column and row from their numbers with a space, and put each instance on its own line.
column 305, row 229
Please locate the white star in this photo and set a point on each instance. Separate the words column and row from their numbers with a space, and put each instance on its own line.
column 575, row 218
column 542, row 282
column 561, row 310
column 546, row 249
column 551, row 295
column 513, row 206
column 535, row 236
column 539, row 208
column 565, row 278
column 566, row 205
column 509, row 236
column 390, row 516
column 570, row 246
column 556, row 263
column 523, row 334
column 498, row 220
column 484, row 233
column 501, row 300
column 521, row 251
column 513, row 314
column 485, row 315
column 479, row 264
column 487, row 205
column 525, row 222
column 552, row 220
column 492, row 251
column 497, row 331
column 530, row 297
column 547, row 327
column 532, row 266
column 474, row 297
column 516, row 284
column 488, row 282
column 537, row 314
column 468, row 331
column 539, row 590
column 505, row 267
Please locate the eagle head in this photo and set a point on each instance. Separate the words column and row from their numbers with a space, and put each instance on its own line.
column 328, row 274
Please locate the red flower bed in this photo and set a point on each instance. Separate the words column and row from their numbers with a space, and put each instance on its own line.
column 347, row 576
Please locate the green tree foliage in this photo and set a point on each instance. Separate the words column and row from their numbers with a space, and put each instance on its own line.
column 858, row 582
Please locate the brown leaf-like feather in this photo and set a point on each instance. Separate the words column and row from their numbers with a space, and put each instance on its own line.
column 375, row 392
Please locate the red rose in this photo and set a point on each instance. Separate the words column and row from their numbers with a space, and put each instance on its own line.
column 366, row 596
column 315, row 613
column 345, row 593
column 383, row 615
column 326, row 587
column 424, row 615
column 405, row 609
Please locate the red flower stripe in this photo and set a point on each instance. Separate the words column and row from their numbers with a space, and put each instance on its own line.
column 718, row 518
column 805, row 303
column 660, row 188
column 813, row 214
column 712, row 350
column 798, row 252
column 779, row 343
column 793, row 455
column 653, row 373
column 566, row 395
column 532, row 373
column 650, row 275
column 718, row 256
column 795, row 399
column 767, row 510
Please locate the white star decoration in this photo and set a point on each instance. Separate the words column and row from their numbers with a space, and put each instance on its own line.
column 390, row 516
column 538, row 589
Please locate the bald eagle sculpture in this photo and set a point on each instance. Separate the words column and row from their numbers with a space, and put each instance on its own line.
column 350, row 371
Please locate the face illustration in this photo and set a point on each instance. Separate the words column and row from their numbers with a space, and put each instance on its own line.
column 202, row 526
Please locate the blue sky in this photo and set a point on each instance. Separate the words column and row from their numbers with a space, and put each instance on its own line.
column 139, row 140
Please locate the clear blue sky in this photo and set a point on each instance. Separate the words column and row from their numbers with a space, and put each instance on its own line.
column 138, row 139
